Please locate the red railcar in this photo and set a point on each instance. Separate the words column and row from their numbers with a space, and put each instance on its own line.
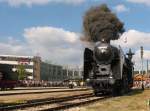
column 4, row 84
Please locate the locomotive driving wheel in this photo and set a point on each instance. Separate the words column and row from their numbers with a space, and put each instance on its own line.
column 96, row 93
column 116, row 90
column 124, row 85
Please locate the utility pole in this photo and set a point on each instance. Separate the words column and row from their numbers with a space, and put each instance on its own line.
column 67, row 72
column 147, row 67
column 142, row 66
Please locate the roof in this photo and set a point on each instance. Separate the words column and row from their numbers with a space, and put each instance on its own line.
column 16, row 56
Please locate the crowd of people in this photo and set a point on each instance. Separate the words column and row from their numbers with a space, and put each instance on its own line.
column 138, row 84
column 35, row 83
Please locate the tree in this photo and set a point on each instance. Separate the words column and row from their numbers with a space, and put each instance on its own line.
column 21, row 72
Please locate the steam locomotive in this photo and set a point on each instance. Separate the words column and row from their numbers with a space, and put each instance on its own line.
column 107, row 69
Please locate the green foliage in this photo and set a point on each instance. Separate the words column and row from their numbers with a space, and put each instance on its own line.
column 20, row 101
column 21, row 72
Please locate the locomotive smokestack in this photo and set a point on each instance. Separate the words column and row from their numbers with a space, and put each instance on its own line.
column 100, row 24
column 130, row 54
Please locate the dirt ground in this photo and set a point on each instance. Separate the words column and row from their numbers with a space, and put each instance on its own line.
column 25, row 97
column 134, row 101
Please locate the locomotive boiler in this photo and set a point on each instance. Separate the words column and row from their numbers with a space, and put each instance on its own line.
column 107, row 69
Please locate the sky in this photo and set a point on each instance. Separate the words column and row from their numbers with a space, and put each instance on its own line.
column 52, row 28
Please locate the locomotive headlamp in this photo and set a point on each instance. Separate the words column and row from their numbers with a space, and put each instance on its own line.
column 87, row 80
column 103, row 49
column 111, row 80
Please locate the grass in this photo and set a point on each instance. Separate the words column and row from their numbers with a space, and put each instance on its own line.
column 13, row 103
column 137, row 100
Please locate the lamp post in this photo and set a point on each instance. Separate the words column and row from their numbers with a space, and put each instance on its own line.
column 147, row 68
column 142, row 66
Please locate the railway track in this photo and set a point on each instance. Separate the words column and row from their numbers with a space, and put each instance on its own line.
column 40, row 92
column 36, row 88
column 51, row 104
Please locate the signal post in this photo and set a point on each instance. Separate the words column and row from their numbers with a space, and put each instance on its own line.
column 142, row 66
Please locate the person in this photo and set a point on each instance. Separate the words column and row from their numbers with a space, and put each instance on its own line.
column 148, row 103
column 71, row 84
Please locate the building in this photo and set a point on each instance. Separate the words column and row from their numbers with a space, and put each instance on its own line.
column 30, row 63
column 36, row 69
column 51, row 72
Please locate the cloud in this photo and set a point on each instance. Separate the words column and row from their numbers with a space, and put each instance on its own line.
column 134, row 39
column 121, row 8
column 137, row 59
column 146, row 55
column 64, row 47
column 55, row 44
column 29, row 3
column 146, row 2
column 14, row 47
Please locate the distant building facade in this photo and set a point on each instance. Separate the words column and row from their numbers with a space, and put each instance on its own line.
column 30, row 63
column 50, row 72
column 36, row 69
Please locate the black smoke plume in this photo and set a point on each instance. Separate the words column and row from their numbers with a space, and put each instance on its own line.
column 100, row 23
